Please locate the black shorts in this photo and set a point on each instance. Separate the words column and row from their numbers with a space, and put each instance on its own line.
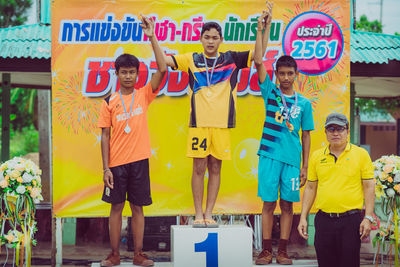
column 131, row 182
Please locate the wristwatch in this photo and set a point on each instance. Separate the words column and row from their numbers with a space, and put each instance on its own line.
column 369, row 218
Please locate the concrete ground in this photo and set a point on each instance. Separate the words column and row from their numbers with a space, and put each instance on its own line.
column 91, row 254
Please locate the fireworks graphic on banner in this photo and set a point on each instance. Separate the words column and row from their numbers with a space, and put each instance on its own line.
column 340, row 66
column 74, row 111
column 315, row 81
column 328, row 101
column 326, row 6
column 306, row 88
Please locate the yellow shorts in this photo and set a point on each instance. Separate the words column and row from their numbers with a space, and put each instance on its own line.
column 209, row 141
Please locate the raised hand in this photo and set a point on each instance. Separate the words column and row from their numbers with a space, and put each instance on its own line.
column 265, row 17
column 147, row 25
column 270, row 5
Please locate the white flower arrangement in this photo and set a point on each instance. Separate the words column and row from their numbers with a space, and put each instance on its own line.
column 20, row 189
column 387, row 188
column 22, row 177
column 387, row 177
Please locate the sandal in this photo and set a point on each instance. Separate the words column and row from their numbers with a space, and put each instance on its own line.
column 210, row 223
column 199, row 223
column 141, row 259
column 111, row 260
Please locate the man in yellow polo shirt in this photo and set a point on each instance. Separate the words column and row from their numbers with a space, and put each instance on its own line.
column 340, row 177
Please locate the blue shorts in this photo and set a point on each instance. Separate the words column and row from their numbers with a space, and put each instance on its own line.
column 274, row 175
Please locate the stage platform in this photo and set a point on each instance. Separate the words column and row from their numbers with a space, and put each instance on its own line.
column 298, row 263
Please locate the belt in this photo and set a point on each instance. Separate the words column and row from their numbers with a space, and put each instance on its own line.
column 339, row 215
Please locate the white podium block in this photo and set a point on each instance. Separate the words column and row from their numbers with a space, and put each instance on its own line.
column 225, row 246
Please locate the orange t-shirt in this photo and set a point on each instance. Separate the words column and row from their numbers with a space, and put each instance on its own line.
column 134, row 146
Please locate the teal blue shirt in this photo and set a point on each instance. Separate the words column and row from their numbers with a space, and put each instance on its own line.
column 277, row 141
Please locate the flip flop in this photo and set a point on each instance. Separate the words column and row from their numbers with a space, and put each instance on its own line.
column 199, row 223
column 210, row 223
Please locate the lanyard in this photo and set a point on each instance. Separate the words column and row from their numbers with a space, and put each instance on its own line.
column 128, row 116
column 285, row 105
column 209, row 79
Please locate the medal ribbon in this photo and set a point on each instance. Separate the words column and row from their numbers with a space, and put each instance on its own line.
column 285, row 105
column 123, row 104
column 209, row 79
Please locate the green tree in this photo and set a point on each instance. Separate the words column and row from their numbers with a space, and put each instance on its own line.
column 24, row 136
column 368, row 26
column 383, row 105
column 13, row 12
column 23, row 108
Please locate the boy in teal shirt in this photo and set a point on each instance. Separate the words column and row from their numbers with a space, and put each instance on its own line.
column 280, row 149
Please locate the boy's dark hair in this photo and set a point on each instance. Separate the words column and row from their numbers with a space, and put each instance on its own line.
column 211, row 25
column 286, row 61
column 127, row 61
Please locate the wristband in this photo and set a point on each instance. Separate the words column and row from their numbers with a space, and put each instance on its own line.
column 105, row 170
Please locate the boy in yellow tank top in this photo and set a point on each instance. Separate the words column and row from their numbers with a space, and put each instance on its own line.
column 213, row 79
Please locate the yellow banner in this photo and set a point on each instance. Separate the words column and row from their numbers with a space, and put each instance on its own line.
column 87, row 36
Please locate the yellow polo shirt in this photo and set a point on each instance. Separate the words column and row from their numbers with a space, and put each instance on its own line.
column 340, row 180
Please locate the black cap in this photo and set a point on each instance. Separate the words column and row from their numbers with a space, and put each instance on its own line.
column 336, row 118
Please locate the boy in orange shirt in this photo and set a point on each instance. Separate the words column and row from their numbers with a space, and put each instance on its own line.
column 125, row 147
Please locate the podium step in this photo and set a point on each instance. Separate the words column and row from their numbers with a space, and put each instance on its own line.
column 225, row 246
